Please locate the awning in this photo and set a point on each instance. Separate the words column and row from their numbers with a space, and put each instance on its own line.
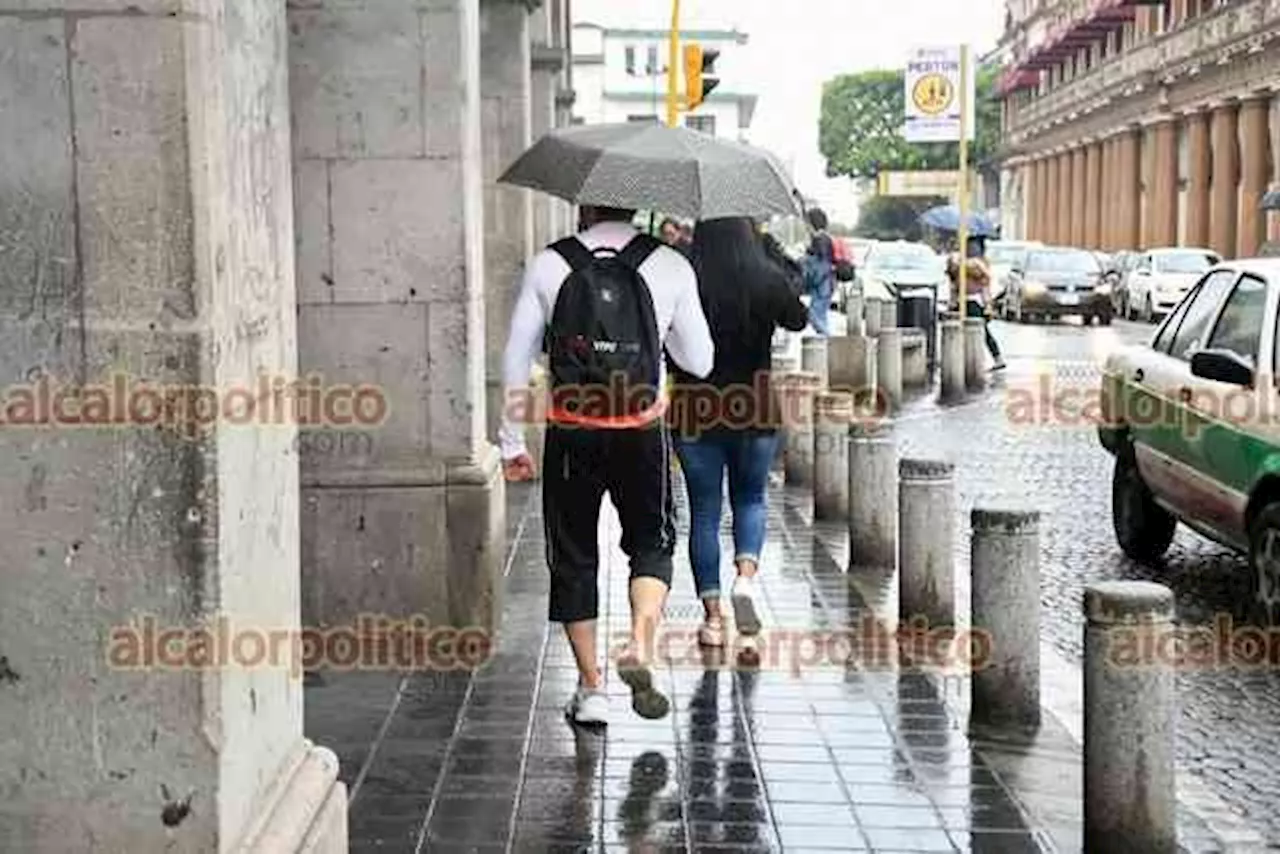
column 1018, row 77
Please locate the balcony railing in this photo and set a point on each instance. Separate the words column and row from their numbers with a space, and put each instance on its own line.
column 1197, row 41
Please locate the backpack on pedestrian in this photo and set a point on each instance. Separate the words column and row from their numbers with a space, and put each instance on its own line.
column 604, row 352
column 841, row 261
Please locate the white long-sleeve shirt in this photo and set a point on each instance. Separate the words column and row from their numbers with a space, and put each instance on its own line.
column 673, row 286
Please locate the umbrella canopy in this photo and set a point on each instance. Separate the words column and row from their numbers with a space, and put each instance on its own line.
column 947, row 218
column 645, row 166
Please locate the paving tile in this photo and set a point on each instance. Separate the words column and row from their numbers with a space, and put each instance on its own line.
column 904, row 839
column 820, row 838
column 839, row 815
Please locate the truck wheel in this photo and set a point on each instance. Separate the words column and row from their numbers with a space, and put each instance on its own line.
column 1143, row 528
column 1264, row 565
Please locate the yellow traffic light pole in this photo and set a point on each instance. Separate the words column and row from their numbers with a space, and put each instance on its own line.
column 673, row 68
column 963, row 201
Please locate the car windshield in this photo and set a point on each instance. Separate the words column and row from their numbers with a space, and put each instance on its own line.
column 1184, row 262
column 1006, row 255
column 1062, row 262
column 921, row 259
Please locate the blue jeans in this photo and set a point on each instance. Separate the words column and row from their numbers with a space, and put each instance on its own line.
column 704, row 460
column 819, row 308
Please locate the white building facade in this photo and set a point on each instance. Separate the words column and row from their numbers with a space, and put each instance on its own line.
column 621, row 75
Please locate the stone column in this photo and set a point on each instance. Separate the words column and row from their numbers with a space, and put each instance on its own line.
column 547, row 62
column 1273, row 123
column 1093, row 195
column 1078, row 196
column 1129, row 188
column 1162, row 184
column 390, row 211
column 1198, row 165
column 1225, row 198
column 1254, row 169
column 148, row 252
column 1033, row 197
column 1047, row 197
column 506, row 86
column 1062, row 200
column 1106, row 196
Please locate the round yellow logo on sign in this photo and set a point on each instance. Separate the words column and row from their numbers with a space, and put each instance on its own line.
column 932, row 94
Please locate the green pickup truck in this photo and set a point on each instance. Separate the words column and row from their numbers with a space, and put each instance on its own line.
column 1193, row 420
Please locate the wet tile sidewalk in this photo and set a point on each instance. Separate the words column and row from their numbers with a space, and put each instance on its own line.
column 820, row 756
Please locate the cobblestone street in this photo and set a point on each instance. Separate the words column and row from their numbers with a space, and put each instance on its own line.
column 820, row 757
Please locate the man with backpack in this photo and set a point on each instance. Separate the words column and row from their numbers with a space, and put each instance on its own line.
column 603, row 305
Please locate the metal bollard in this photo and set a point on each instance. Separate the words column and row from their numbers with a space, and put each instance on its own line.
column 796, row 392
column 952, row 360
column 1130, row 802
column 813, row 357
column 1005, row 566
column 832, row 414
column 889, row 365
column 975, row 345
column 915, row 358
column 873, row 498
column 871, row 311
column 889, row 314
column 926, row 542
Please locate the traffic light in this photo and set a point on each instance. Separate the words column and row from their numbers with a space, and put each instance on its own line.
column 699, row 66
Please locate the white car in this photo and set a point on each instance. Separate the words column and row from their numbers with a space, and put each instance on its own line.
column 1160, row 279
column 903, row 267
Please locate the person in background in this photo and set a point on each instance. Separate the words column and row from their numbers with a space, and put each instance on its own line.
column 670, row 230
column 745, row 297
column 819, row 271
column 686, row 237
column 977, row 292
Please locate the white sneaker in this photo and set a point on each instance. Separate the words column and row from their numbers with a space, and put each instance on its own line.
column 588, row 707
column 746, row 609
column 711, row 633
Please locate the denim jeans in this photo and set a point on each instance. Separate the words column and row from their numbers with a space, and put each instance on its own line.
column 819, row 308
column 747, row 457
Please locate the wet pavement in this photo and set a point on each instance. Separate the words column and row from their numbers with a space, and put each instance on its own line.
column 794, row 755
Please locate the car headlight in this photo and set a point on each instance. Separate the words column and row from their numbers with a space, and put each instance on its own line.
column 1034, row 289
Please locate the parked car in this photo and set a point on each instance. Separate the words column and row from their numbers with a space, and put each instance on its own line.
column 1190, row 421
column 1003, row 256
column 1116, row 275
column 1161, row 277
column 890, row 266
column 1057, row 281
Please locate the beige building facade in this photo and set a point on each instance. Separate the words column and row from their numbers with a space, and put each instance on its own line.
column 1140, row 125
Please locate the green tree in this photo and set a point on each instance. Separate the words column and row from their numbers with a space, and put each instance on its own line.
column 860, row 131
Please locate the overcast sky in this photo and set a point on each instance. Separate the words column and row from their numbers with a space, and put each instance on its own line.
column 796, row 45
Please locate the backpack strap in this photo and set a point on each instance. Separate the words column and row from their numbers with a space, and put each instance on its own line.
column 638, row 250
column 575, row 254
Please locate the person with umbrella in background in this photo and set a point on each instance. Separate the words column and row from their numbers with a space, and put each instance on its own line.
column 977, row 291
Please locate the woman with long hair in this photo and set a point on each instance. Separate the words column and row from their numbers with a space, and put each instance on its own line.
column 746, row 297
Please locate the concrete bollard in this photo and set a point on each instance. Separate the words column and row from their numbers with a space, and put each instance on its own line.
column 813, row 357
column 975, row 346
column 851, row 366
column 1130, row 802
column 926, row 542
column 854, row 309
column 1005, row 566
column 784, row 363
column 832, row 414
column 889, row 314
column 915, row 358
column 873, row 498
column 951, row 359
column 871, row 313
column 889, row 366
column 795, row 393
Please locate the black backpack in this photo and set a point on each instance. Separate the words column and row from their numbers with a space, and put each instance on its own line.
column 602, row 345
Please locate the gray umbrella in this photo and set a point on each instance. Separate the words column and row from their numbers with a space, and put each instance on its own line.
column 645, row 166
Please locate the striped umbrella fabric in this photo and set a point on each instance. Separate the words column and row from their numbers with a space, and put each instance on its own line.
column 643, row 166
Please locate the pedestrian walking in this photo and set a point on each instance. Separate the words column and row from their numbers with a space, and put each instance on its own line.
column 977, row 294
column 819, row 271
column 745, row 297
column 608, row 300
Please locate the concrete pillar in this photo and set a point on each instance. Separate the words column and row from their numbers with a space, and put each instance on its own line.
column 506, row 87
column 1078, row 192
column 889, row 314
column 832, row 414
column 1005, row 567
column 975, row 349
column 926, row 542
column 1273, row 130
column 1162, row 184
column 1254, row 170
column 1093, row 195
column 546, row 63
column 1032, row 199
column 1130, row 802
column 889, row 366
column 874, row 316
column 149, row 247
column 1046, row 198
column 951, row 359
column 1129, row 188
column 857, row 321
column 796, row 392
column 915, row 358
column 1106, row 200
column 1198, row 166
column 1062, row 199
column 390, row 221
column 813, row 357
column 873, row 498
column 1225, row 198
column 851, row 362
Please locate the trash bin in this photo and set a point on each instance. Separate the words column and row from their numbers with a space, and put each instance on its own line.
column 917, row 308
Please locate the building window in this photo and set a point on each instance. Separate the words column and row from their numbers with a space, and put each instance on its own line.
column 702, row 124
column 642, row 117
column 651, row 65
column 631, row 59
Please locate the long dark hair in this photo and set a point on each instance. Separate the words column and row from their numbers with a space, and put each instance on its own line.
column 734, row 274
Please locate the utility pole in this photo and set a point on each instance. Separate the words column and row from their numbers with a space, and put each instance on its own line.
column 673, row 68
column 963, row 201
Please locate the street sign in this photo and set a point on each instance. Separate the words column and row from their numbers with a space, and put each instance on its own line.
column 932, row 95
column 923, row 183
